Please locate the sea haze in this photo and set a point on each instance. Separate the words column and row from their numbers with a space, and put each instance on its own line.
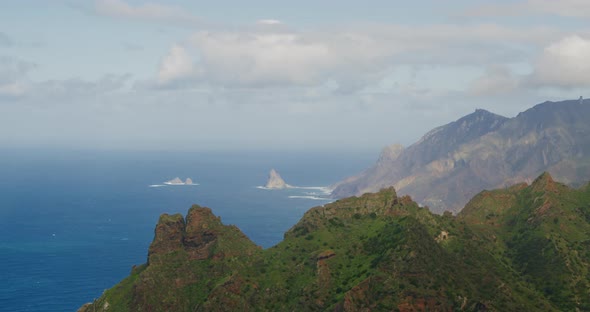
column 73, row 223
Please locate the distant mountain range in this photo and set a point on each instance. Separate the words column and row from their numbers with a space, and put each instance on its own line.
column 523, row 248
column 482, row 150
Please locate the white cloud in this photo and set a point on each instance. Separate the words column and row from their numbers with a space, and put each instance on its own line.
column 269, row 22
column 350, row 58
column 496, row 80
column 251, row 59
column 564, row 63
column 148, row 11
column 175, row 66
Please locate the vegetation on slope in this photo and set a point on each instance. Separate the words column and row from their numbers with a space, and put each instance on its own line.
column 524, row 248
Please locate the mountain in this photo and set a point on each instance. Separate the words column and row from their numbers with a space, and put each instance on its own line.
column 524, row 248
column 275, row 181
column 482, row 150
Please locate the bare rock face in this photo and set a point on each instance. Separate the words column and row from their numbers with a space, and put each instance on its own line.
column 176, row 180
column 275, row 181
column 169, row 235
column 201, row 232
column 196, row 235
column 482, row 150
column 188, row 181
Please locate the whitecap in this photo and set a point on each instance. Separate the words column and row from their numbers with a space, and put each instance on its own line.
column 323, row 189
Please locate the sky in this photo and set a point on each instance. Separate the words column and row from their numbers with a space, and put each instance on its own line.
column 261, row 74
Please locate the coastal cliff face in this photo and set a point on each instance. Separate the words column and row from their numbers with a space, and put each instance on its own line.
column 523, row 248
column 452, row 163
column 275, row 181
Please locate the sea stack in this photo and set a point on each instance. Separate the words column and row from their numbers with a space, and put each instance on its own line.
column 188, row 181
column 275, row 181
column 175, row 181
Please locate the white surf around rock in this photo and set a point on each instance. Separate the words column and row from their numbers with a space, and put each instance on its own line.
column 175, row 182
column 310, row 197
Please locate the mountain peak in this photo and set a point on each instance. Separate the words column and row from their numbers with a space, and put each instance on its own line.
column 482, row 150
column 482, row 111
column 466, row 128
column 544, row 182
column 479, row 114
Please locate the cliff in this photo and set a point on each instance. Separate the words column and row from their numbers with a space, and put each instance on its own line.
column 482, row 150
column 523, row 248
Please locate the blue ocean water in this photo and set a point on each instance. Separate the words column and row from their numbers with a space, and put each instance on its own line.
column 73, row 223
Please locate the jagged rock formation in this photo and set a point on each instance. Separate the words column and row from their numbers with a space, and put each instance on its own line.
column 482, row 150
column 275, row 181
column 176, row 180
column 525, row 248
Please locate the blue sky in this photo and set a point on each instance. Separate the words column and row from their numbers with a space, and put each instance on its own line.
column 122, row 74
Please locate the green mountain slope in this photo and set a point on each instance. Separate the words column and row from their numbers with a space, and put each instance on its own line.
column 524, row 248
column 543, row 231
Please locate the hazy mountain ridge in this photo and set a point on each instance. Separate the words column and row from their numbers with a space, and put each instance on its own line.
column 524, row 248
column 452, row 163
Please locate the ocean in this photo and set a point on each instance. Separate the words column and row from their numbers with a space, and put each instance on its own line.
column 73, row 223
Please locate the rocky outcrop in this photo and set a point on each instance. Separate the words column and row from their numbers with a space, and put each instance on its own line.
column 482, row 150
column 168, row 236
column 275, row 181
column 176, row 180
column 196, row 236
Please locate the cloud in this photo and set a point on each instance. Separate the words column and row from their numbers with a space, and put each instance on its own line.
column 268, row 22
column 351, row 58
column 15, row 83
column 564, row 64
column 147, row 12
column 175, row 66
column 5, row 41
column 564, row 8
column 75, row 88
column 496, row 80
column 251, row 59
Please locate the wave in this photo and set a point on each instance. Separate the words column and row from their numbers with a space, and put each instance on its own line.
column 323, row 190
column 310, row 197
column 156, row 185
